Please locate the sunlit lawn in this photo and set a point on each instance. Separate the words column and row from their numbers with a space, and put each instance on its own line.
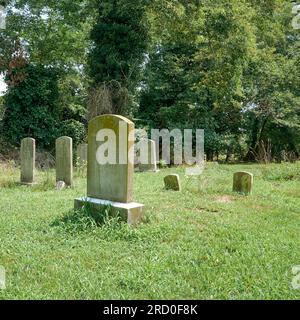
column 202, row 243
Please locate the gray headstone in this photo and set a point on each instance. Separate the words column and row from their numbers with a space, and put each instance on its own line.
column 110, row 181
column 64, row 160
column 149, row 163
column 172, row 182
column 243, row 182
column 82, row 151
column 111, row 167
column 27, row 161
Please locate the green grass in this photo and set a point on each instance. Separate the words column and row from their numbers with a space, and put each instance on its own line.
column 202, row 243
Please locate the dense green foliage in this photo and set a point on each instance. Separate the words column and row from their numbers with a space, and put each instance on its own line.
column 229, row 67
column 54, row 36
column 74, row 129
column 119, row 46
column 31, row 107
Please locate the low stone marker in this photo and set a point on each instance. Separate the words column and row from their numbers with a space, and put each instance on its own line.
column 64, row 160
column 172, row 182
column 27, row 161
column 60, row 185
column 243, row 182
column 149, row 164
column 111, row 167
column 82, row 150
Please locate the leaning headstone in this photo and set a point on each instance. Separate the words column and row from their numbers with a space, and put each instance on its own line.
column 243, row 182
column 172, row 182
column 149, row 163
column 64, row 160
column 27, row 161
column 82, row 150
column 111, row 167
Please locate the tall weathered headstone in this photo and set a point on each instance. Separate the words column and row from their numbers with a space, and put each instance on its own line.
column 82, row 150
column 27, row 161
column 111, row 167
column 149, row 163
column 243, row 182
column 64, row 160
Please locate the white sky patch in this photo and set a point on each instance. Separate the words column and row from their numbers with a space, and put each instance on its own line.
column 2, row 86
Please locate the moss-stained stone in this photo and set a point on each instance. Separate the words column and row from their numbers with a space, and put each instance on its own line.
column 172, row 182
column 112, row 182
column 132, row 213
column 64, row 160
column 243, row 182
column 27, row 161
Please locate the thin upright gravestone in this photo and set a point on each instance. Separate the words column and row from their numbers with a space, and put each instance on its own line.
column 149, row 164
column 64, row 160
column 27, row 161
column 111, row 167
column 243, row 182
column 82, row 150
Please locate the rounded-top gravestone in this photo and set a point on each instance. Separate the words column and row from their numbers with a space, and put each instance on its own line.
column 110, row 168
column 172, row 182
column 243, row 182
column 27, row 161
column 64, row 160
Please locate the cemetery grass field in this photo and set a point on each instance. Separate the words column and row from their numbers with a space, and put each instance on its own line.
column 202, row 243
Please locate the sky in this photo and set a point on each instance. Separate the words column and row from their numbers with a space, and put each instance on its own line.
column 2, row 86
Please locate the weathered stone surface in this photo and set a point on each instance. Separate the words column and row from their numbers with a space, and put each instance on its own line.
column 132, row 213
column 82, row 152
column 60, row 185
column 111, row 181
column 64, row 160
column 172, row 182
column 243, row 182
column 150, row 163
column 27, row 161
column 110, row 167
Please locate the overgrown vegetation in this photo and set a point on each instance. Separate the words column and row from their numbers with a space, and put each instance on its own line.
column 229, row 67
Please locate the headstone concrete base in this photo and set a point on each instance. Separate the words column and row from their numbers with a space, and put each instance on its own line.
column 132, row 213
column 28, row 184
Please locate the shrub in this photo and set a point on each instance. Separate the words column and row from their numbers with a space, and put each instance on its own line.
column 32, row 107
column 73, row 129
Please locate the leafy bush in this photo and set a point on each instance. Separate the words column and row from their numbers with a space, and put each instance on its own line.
column 32, row 108
column 73, row 129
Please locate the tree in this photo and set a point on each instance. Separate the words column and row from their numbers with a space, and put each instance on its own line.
column 53, row 35
column 31, row 106
column 230, row 68
column 272, row 101
column 116, row 59
column 194, row 75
